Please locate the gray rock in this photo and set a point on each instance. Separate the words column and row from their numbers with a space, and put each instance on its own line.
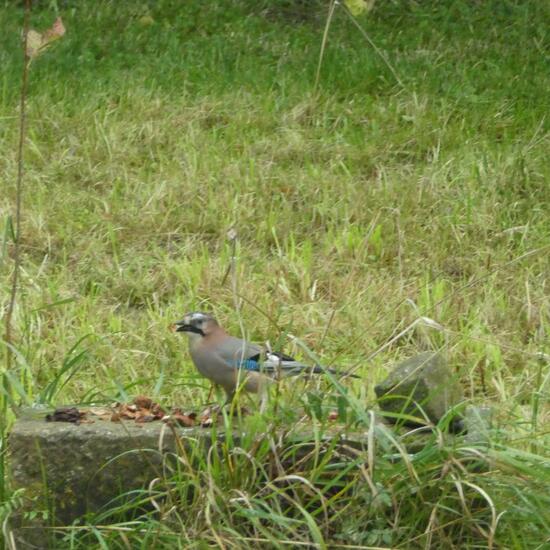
column 478, row 424
column 69, row 470
column 419, row 386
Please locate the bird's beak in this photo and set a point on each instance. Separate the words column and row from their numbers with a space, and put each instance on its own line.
column 182, row 326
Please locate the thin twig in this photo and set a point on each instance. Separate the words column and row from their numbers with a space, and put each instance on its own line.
column 16, row 237
column 324, row 43
column 18, row 189
column 374, row 46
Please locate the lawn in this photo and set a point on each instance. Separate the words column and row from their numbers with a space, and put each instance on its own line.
column 412, row 181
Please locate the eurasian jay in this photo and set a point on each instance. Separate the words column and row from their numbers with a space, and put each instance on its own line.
column 230, row 361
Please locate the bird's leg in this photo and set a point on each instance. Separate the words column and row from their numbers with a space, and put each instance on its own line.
column 235, row 407
column 210, row 393
column 216, row 408
column 228, row 401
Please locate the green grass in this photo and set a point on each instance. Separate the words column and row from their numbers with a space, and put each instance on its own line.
column 359, row 207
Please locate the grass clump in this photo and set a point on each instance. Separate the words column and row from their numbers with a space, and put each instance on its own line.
column 359, row 207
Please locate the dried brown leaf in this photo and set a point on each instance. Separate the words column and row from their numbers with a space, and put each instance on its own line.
column 157, row 411
column 143, row 402
column 37, row 42
column 184, row 420
column 208, row 417
column 127, row 411
column 103, row 413
column 66, row 414
column 143, row 418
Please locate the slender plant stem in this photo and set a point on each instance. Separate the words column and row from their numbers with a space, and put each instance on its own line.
column 324, row 44
column 18, row 189
column 374, row 46
column 16, row 257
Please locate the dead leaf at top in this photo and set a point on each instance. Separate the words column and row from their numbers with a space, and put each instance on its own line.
column 358, row 7
column 57, row 30
column 34, row 43
column 37, row 42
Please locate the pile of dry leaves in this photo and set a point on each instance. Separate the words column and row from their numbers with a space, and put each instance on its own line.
column 142, row 410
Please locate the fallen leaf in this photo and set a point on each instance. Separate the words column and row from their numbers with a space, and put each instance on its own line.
column 184, row 419
column 208, row 417
column 142, row 418
column 157, row 411
column 143, row 402
column 127, row 411
column 103, row 413
column 66, row 414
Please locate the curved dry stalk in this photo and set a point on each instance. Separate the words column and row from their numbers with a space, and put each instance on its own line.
column 18, row 189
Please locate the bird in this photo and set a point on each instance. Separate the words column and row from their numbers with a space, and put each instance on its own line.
column 231, row 362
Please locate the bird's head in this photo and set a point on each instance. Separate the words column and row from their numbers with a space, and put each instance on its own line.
column 196, row 325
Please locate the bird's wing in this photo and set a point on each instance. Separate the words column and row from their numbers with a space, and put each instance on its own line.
column 274, row 363
column 251, row 357
column 234, row 350
column 214, row 367
column 279, row 362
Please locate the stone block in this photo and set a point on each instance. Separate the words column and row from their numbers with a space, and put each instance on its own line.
column 421, row 385
column 69, row 470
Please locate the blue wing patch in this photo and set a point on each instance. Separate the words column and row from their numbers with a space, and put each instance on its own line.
column 246, row 364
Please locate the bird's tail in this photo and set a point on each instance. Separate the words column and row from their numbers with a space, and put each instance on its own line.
column 278, row 362
column 319, row 369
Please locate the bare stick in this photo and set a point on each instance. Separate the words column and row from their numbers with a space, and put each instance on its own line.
column 18, row 188
column 324, row 44
column 374, row 46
